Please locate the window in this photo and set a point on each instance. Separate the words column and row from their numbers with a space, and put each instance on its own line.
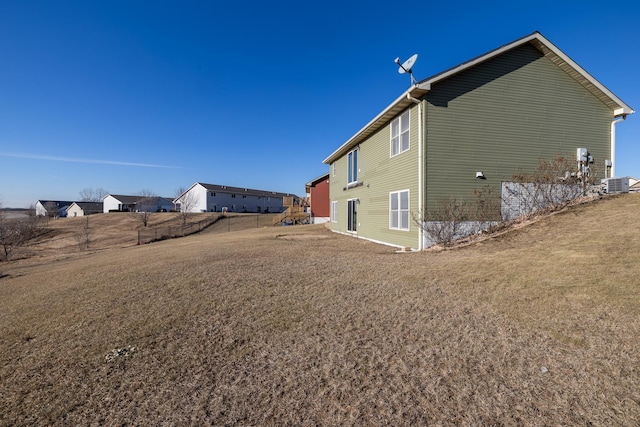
column 352, row 158
column 352, row 215
column 399, row 210
column 233, row 196
column 334, row 211
column 333, row 166
column 400, row 134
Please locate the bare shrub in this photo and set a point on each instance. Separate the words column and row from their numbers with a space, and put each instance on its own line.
column 445, row 223
column 16, row 233
column 486, row 208
column 551, row 186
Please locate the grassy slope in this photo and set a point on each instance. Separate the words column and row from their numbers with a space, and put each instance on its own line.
column 298, row 326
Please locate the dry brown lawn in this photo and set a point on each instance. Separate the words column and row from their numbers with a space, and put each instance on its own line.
column 300, row 326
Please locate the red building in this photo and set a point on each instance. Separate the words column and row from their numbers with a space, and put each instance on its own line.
column 318, row 193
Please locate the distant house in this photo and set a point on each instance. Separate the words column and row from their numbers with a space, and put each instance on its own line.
column 318, row 193
column 634, row 184
column 201, row 197
column 467, row 131
column 123, row 203
column 52, row 208
column 83, row 209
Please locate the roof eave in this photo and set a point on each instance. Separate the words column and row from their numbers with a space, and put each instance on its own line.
column 548, row 49
column 392, row 110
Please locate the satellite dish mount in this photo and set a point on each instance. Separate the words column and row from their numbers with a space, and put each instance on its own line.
column 407, row 67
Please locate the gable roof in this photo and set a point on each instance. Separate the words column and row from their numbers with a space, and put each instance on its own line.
column 123, row 198
column 88, row 206
column 315, row 181
column 134, row 200
column 236, row 190
column 60, row 204
column 418, row 90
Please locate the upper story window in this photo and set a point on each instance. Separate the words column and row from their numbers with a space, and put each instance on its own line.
column 333, row 167
column 352, row 159
column 400, row 134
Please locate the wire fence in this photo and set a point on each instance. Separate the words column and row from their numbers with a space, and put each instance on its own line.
column 217, row 223
column 242, row 222
column 153, row 234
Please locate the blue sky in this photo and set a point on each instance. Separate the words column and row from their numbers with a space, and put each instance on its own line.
column 156, row 95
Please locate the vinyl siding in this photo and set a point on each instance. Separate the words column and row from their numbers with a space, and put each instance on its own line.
column 379, row 174
column 504, row 115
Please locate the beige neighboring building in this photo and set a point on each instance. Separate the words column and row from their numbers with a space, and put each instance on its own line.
column 83, row 208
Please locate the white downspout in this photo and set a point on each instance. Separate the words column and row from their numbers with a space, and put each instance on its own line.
column 420, row 183
column 613, row 145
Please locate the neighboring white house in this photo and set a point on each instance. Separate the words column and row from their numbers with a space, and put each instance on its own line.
column 122, row 203
column 202, row 197
column 83, row 209
column 46, row 207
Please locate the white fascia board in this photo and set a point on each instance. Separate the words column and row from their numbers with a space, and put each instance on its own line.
column 400, row 103
column 624, row 108
column 622, row 111
column 177, row 199
column 368, row 125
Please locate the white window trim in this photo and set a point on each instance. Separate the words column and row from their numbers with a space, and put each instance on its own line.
column 333, row 166
column 408, row 131
column 334, row 211
column 355, row 170
column 354, row 203
column 400, row 210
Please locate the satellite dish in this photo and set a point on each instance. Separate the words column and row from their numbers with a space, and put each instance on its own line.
column 406, row 66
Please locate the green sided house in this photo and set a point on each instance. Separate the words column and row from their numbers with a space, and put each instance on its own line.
column 469, row 128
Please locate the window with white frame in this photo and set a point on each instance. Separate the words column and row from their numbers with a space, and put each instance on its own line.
column 352, row 159
column 399, row 210
column 333, row 166
column 400, row 134
column 352, row 215
column 334, row 211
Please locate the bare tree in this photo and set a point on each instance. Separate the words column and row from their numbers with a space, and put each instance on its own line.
column 52, row 209
column 92, row 194
column 145, row 205
column 188, row 201
column 84, row 236
column 15, row 233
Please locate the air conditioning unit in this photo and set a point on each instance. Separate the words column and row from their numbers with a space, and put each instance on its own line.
column 615, row 185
